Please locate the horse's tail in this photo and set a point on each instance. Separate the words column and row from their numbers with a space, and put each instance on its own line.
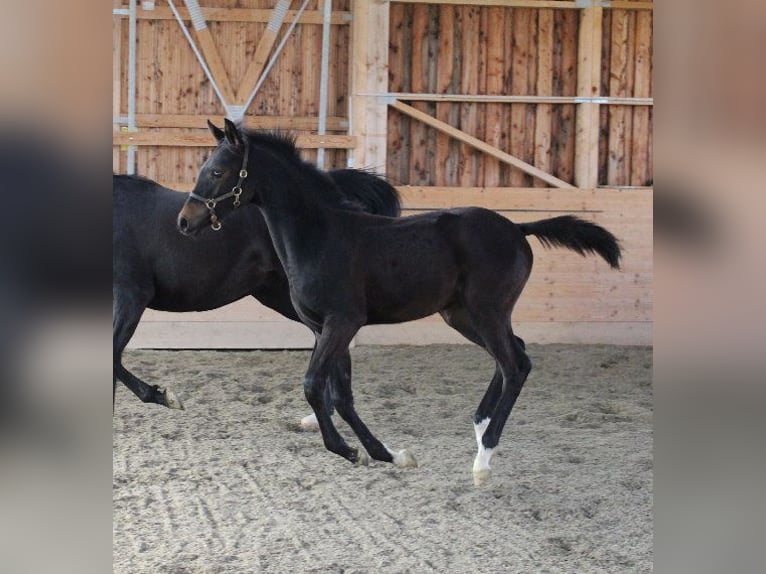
column 369, row 190
column 576, row 234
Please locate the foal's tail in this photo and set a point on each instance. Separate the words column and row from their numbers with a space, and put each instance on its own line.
column 576, row 234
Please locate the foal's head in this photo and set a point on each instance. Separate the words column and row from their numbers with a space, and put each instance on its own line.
column 224, row 183
column 219, row 183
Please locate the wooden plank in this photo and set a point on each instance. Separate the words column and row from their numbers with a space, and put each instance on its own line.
column 254, row 122
column 204, row 139
column 541, row 4
column 480, row 145
column 470, row 26
column 519, row 81
column 588, row 85
column 516, row 99
column 418, row 170
column 215, row 64
column 639, row 166
column 397, row 160
column 495, row 134
column 526, row 199
column 618, row 163
column 544, row 112
column 433, row 330
column 445, row 160
column 221, row 14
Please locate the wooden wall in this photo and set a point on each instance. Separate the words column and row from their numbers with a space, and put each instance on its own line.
column 174, row 97
column 523, row 66
column 507, row 51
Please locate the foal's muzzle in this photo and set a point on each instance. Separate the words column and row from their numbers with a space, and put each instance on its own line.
column 191, row 219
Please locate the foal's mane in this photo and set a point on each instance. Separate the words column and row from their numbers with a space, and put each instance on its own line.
column 282, row 144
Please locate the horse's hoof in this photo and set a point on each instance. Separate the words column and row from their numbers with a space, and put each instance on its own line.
column 481, row 476
column 310, row 423
column 405, row 459
column 172, row 401
column 362, row 458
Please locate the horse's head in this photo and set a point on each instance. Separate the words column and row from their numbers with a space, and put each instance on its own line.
column 219, row 188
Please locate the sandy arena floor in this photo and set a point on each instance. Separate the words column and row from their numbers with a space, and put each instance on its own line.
column 230, row 484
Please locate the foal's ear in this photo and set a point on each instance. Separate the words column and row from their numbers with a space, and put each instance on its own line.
column 232, row 134
column 216, row 131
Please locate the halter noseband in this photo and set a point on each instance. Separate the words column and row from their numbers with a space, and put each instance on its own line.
column 236, row 191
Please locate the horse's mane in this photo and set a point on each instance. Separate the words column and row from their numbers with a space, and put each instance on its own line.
column 283, row 145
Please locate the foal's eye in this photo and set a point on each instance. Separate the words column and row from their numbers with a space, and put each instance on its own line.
column 217, row 173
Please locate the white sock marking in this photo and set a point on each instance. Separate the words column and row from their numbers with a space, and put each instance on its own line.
column 480, row 428
column 482, row 459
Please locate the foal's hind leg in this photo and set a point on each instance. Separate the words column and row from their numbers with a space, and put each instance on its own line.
column 459, row 319
column 127, row 311
column 514, row 365
column 343, row 400
column 332, row 343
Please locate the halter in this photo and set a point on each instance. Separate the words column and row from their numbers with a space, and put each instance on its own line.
column 236, row 191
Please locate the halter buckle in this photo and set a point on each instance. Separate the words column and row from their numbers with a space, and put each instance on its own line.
column 242, row 173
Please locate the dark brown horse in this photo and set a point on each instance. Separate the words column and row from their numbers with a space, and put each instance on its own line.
column 349, row 269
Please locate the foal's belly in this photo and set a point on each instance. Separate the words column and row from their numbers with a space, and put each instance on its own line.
column 400, row 298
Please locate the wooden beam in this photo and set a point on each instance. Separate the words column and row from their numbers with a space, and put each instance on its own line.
column 262, row 51
column 588, row 86
column 243, row 15
column 480, row 145
column 369, row 75
column 204, row 139
column 511, row 99
column 544, row 112
column 253, row 122
column 555, row 4
column 213, row 59
column 527, row 199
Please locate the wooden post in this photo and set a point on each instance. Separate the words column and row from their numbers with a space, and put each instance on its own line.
column 588, row 86
column 369, row 75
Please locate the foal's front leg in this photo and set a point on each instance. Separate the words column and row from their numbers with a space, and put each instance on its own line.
column 343, row 399
column 331, row 344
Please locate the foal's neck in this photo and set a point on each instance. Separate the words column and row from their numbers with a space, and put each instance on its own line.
column 294, row 201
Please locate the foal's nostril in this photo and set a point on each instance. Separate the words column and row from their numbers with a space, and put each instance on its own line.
column 183, row 224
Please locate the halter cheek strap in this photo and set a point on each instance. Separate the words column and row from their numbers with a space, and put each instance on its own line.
column 236, row 191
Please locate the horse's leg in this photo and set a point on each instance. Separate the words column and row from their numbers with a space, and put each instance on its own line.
column 514, row 365
column 343, row 400
column 331, row 344
column 459, row 319
column 275, row 294
column 127, row 311
column 310, row 422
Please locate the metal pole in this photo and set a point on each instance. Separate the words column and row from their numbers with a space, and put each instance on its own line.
column 277, row 52
column 197, row 20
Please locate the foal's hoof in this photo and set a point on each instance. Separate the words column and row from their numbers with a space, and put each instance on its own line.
column 404, row 459
column 362, row 458
column 481, row 476
column 310, row 423
column 172, row 401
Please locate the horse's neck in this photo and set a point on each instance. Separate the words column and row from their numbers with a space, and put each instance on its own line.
column 295, row 219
